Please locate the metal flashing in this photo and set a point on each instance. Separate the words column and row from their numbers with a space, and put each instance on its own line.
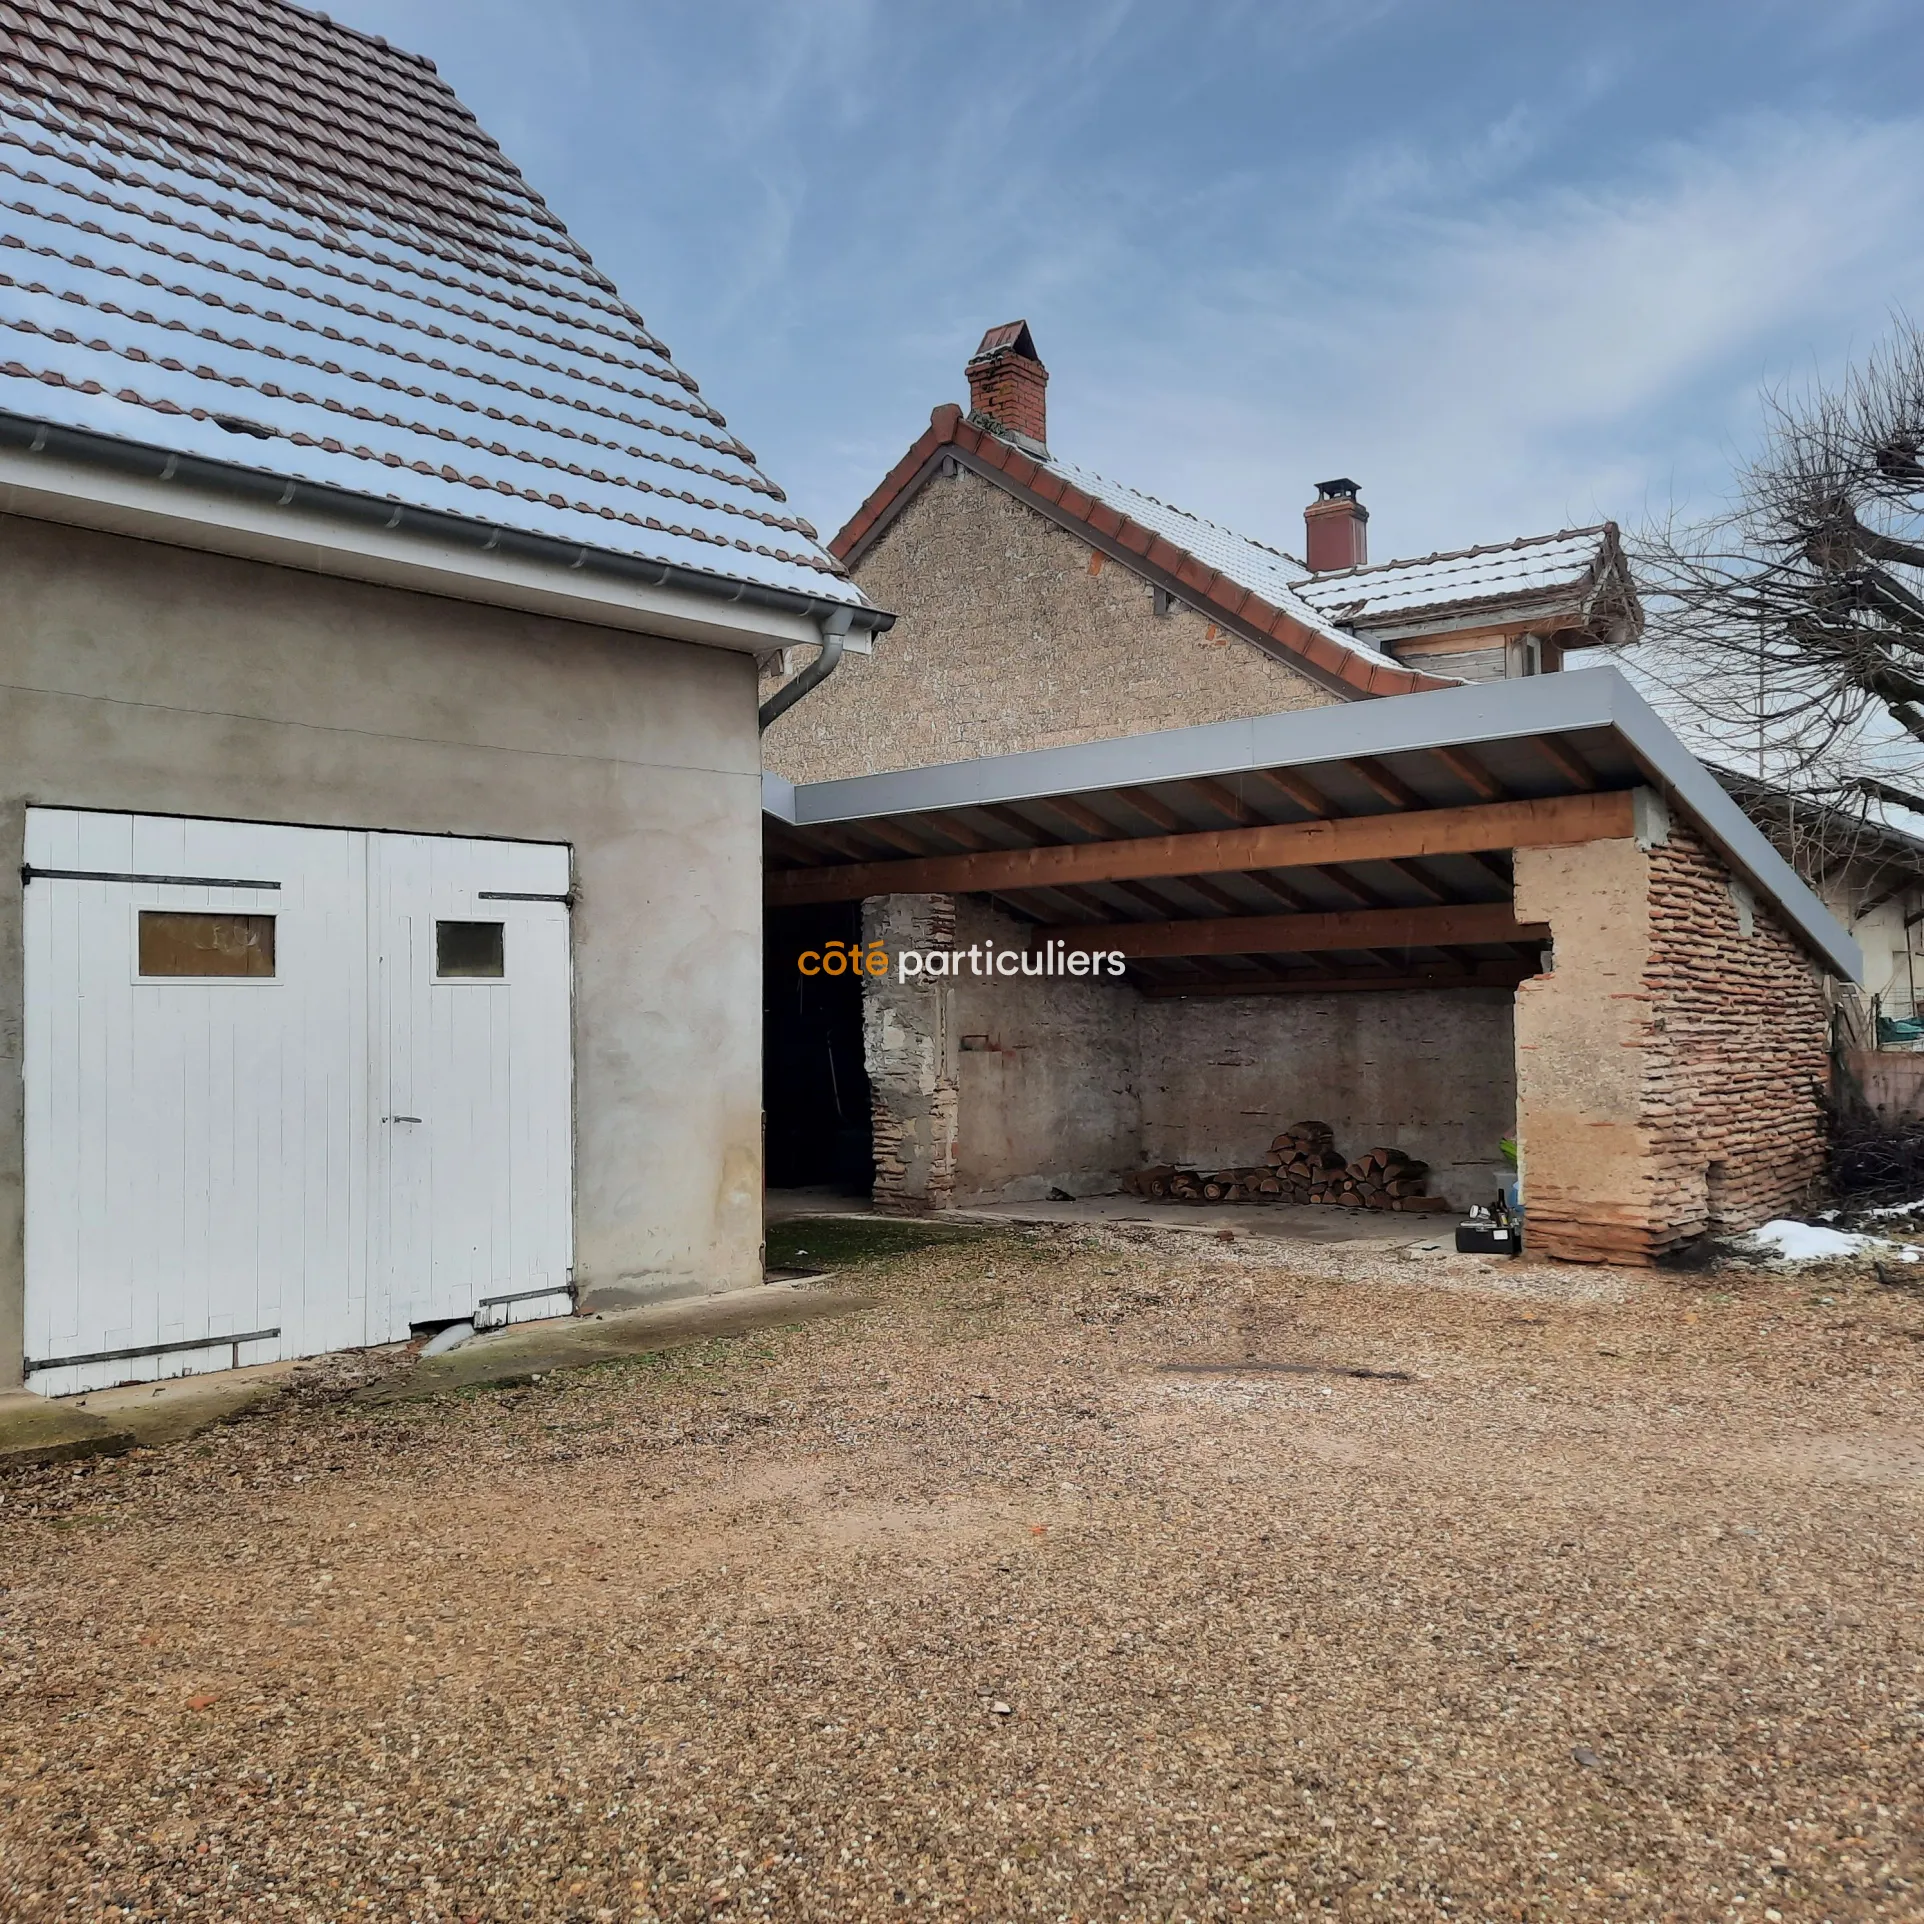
column 1463, row 717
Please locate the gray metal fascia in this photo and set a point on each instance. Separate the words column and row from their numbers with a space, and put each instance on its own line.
column 778, row 797
column 1465, row 717
column 1739, row 838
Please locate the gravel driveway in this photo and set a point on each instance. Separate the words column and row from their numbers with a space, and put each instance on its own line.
column 972, row 1607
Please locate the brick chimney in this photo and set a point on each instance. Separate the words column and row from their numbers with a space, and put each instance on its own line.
column 1009, row 388
column 1335, row 528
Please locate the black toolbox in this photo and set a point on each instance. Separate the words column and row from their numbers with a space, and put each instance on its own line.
column 1486, row 1238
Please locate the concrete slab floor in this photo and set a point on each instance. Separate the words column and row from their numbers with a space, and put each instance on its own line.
column 1278, row 1223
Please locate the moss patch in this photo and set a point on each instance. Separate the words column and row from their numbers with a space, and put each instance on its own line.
column 840, row 1242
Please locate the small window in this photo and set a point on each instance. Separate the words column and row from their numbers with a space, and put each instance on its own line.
column 468, row 951
column 194, row 942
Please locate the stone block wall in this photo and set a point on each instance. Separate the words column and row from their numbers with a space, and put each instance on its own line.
column 1671, row 1067
column 1011, row 634
column 1048, row 1068
column 1004, row 1088
column 1431, row 1071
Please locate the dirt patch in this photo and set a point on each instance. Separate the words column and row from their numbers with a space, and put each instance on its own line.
column 970, row 1607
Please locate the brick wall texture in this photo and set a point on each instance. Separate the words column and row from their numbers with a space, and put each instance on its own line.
column 1738, row 1060
column 1011, row 635
column 1671, row 1069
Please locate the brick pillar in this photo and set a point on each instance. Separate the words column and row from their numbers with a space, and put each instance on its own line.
column 909, row 1046
column 1671, row 1068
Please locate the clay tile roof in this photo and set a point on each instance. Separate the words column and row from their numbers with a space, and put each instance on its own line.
column 1013, row 334
column 240, row 230
column 1253, row 589
column 1530, row 569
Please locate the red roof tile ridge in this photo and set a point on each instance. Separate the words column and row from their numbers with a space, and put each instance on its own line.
column 1351, row 664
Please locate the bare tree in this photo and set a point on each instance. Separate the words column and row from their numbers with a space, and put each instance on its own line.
column 1799, row 612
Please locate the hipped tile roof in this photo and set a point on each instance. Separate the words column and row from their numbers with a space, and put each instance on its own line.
column 1531, row 568
column 237, row 229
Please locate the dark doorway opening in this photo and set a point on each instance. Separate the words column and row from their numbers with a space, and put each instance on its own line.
column 815, row 1093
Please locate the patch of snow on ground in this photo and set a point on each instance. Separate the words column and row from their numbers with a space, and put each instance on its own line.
column 1791, row 1242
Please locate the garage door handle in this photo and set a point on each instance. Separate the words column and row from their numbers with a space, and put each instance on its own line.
column 400, row 1118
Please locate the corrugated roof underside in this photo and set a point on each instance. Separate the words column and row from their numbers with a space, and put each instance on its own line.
column 216, row 211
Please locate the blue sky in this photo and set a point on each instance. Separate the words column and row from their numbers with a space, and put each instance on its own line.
column 1512, row 266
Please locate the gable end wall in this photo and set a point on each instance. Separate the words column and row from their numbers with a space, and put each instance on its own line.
column 1005, row 641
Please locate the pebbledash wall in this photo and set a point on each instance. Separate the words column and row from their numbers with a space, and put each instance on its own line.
column 1008, row 1089
column 150, row 678
column 1011, row 634
column 1672, row 1069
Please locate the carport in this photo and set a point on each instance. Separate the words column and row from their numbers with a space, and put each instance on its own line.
column 1520, row 905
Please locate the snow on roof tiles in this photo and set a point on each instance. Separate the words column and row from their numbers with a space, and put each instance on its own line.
column 1530, row 567
column 236, row 229
column 1264, row 571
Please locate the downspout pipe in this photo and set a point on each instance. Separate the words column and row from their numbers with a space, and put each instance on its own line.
column 835, row 629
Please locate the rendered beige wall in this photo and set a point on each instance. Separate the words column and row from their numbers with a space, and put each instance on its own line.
column 1005, row 640
column 143, row 677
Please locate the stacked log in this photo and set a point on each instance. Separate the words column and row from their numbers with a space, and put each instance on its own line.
column 1303, row 1166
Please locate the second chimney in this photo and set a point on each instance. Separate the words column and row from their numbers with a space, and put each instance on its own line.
column 1335, row 528
column 1008, row 387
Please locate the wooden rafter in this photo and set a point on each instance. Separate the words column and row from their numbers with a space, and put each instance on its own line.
column 1556, row 821
column 1424, row 928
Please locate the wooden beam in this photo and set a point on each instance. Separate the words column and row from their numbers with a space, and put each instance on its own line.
column 1153, row 809
column 1555, row 822
column 1082, row 815
column 1563, row 757
column 1472, row 774
column 1487, row 975
column 1387, row 783
column 1295, row 788
column 1223, row 801
column 1425, row 928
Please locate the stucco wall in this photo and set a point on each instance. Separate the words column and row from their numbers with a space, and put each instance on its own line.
column 1011, row 635
column 1429, row 1072
column 1047, row 1069
column 1671, row 1067
column 143, row 677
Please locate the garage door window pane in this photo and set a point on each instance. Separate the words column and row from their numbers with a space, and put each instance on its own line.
column 195, row 942
column 469, row 950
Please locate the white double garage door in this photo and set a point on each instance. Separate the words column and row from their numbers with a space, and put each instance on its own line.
column 288, row 1090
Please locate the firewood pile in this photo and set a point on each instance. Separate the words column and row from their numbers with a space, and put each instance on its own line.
column 1303, row 1166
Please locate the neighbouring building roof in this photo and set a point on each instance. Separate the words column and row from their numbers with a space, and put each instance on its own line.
column 236, row 229
column 1869, row 826
column 1571, row 573
column 1239, row 583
